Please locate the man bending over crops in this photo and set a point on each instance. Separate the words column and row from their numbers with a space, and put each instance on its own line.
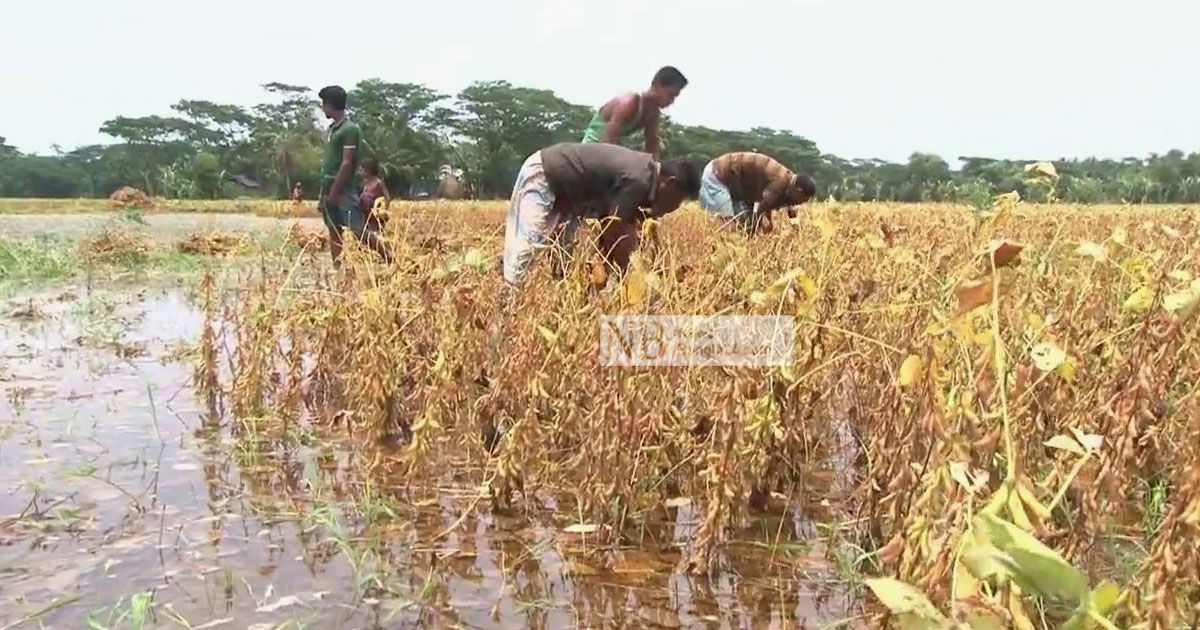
column 557, row 181
column 733, row 183
column 621, row 118
column 339, row 200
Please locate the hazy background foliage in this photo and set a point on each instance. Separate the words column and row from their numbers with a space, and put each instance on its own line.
column 207, row 150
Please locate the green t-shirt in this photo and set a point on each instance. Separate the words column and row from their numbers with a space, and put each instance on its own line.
column 342, row 135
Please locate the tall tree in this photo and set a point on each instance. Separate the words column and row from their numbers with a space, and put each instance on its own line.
column 504, row 124
column 399, row 122
column 153, row 141
column 5, row 150
column 288, row 138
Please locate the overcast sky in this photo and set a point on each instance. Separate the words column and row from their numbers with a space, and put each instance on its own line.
column 862, row 78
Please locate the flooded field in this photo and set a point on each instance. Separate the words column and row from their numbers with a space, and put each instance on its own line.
column 239, row 436
column 126, row 502
column 163, row 228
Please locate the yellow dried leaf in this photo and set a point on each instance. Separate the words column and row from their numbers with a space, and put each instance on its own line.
column 550, row 336
column 1093, row 250
column 1042, row 169
column 639, row 286
column 1120, row 236
column 1034, row 322
column 1170, row 231
column 786, row 280
column 1008, row 199
column 371, row 298
column 473, row 258
column 1047, row 356
column 1089, row 441
column 1066, row 371
column 1064, row 443
column 1140, row 301
column 910, row 370
column 650, row 228
column 808, row 286
column 1182, row 303
column 788, row 374
column 826, row 227
column 1180, row 275
column 958, row 472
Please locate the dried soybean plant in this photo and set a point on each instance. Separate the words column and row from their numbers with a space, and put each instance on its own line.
column 1019, row 383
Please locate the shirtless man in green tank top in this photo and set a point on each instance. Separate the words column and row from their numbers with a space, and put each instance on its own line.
column 620, row 119
column 629, row 113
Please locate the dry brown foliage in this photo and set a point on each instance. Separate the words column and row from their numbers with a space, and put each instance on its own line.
column 308, row 239
column 129, row 197
column 932, row 384
column 212, row 243
column 115, row 244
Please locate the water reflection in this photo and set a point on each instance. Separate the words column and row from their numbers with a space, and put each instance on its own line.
column 117, row 480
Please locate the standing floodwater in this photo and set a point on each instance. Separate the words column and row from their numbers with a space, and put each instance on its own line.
column 123, row 499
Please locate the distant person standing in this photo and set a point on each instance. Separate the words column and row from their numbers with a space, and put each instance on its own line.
column 297, row 193
column 743, row 188
column 373, row 190
column 339, row 198
column 619, row 119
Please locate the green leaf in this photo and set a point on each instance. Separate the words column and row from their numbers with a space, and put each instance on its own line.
column 1035, row 565
column 906, row 601
column 986, row 562
column 1078, row 620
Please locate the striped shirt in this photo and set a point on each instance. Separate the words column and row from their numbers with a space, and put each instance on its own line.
column 753, row 177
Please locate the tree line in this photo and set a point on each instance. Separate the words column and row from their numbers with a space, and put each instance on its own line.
column 204, row 149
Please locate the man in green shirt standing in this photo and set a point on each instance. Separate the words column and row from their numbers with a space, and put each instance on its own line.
column 339, row 180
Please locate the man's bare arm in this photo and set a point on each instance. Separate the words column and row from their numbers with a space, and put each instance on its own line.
column 343, row 174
